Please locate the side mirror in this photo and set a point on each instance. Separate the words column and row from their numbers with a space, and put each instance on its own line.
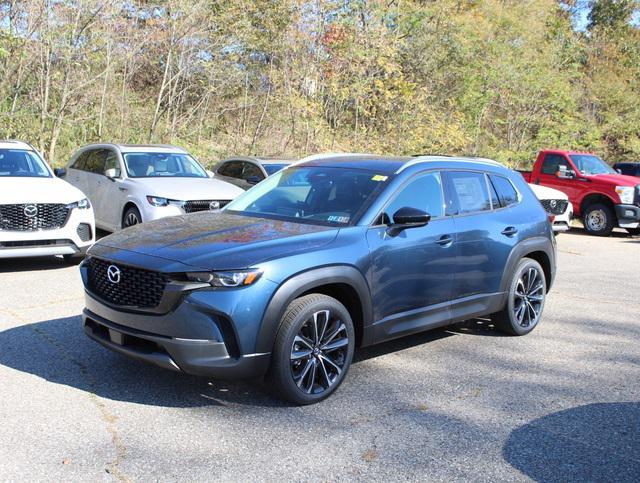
column 407, row 217
column 564, row 173
column 112, row 173
column 60, row 172
column 211, row 174
column 619, row 171
column 253, row 179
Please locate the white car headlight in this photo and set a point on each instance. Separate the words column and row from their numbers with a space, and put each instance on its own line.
column 83, row 204
column 626, row 194
column 230, row 278
column 161, row 201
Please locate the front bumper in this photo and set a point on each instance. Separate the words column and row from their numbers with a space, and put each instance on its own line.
column 628, row 216
column 198, row 357
column 562, row 223
column 65, row 240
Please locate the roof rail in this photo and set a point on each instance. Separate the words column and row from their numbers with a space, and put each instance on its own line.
column 422, row 159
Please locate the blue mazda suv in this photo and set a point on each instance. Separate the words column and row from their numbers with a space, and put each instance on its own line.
column 322, row 257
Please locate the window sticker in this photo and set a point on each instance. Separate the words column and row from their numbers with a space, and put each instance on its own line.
column 379, row 177
column 339, row 219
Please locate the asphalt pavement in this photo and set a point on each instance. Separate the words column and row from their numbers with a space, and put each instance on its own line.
column 464, row 403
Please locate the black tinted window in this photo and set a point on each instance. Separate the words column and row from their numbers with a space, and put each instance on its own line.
column 233, row 169
column 552, row 162
column 423, row 193
column 251, row 171
column 506, row 192
column 81, row 161
column 470, row 192
column 95, row 161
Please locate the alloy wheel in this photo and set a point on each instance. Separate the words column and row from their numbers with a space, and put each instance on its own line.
column 529, row 297
column 319, row 352
column 131, row 220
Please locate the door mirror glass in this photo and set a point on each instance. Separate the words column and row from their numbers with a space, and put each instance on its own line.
column 60, row 172
column 408, row 217
column 112, row 173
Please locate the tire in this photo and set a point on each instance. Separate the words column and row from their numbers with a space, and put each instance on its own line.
column 306, row 368
column 633, row 231
column 131, row 217
column 598, row 219
column 525, row 302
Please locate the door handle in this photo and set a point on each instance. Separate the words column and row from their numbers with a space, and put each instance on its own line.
column 509, row 231
column 445, row 240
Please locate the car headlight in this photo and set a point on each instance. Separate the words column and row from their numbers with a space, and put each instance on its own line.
column 231, row 278
column 83, row 204
column 160, row 201
column 625, row 193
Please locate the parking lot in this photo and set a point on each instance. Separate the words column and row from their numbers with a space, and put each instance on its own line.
column 466, row 403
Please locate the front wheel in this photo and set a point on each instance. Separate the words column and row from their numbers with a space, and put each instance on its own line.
column 526, row 297
column 598, row 219
column 131, row 217
column 313, row 349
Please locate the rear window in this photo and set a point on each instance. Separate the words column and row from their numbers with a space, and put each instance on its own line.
column 470, row 191
column 506, row 191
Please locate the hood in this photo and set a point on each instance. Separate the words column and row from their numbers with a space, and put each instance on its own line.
column 614, row 179
column 37, row 190
column 546, row 193
column 187, row 188
column 214, row 241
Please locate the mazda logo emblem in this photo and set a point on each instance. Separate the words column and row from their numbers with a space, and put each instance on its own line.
column 30, row 211
column 113, row 274
column 214, row 205
column 553, row 203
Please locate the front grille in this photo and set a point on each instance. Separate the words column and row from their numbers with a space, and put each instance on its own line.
column 136, row 287
column 203, row 205
column 555, row 207
column 84, row 232
column 35, row 243
column 33, row 216
column 636, row 199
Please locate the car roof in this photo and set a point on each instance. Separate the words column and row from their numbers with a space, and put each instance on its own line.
column 259, row 159
column 388, row 164
column 15, row 144
column 139, row 148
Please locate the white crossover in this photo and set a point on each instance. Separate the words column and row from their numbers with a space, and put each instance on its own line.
column 131, row 184
column 557, row 205
column 39, row 213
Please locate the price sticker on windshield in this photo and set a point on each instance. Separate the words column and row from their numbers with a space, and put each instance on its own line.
column 379, row 177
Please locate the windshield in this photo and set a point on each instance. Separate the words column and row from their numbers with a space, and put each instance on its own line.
column 165, row 165
column 22, row 164
column 315, row 195
column 589, row 164
column 273, row 168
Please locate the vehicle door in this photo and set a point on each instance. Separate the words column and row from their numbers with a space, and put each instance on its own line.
column 551, row 165
column 76, row 173
column 411, row 270
column 486, row 232
column 231, row 172
column 112, row 193
column 96, row 183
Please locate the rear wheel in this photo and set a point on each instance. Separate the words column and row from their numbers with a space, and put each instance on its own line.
column 598, row 219
column 526, row 298
column 131, row 217
column 313, row 349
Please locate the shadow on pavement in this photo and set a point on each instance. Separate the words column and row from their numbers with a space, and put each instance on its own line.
column 596, row 442
column 32, row 264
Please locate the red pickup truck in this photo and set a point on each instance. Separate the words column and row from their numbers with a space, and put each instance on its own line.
column 603, row 198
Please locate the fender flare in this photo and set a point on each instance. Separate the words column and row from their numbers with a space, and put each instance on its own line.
column 519, row 251
column 302, row 282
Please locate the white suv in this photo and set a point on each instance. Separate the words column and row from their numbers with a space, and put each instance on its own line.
column 131, row 184
column 39, row 213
